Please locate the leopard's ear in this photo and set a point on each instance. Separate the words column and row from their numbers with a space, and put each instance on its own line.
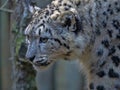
column 33, row 9
column 31, row 6
column 70, row 20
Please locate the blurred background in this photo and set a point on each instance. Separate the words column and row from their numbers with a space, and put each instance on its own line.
column 63, row 75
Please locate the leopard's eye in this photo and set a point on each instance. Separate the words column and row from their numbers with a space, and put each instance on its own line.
column 43, row 40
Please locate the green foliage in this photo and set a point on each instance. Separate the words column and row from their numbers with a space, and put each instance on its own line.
column 19, row 40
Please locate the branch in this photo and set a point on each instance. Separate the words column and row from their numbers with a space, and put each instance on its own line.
column 4, row 4
column 6, row 10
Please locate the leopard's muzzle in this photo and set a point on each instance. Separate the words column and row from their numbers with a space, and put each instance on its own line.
column 40, row 61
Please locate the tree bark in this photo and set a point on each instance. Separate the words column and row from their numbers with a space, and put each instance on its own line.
column 23, row 73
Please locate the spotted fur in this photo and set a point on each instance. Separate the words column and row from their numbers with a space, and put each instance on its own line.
column 88, row 30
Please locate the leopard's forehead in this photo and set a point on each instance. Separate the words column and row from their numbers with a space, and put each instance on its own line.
column 38, row 23
column 42, row 17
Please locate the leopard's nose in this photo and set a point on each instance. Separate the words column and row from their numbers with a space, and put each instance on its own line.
column 30, row 58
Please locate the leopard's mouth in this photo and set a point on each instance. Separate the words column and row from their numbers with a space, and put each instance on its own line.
column 42, row 62
column 40, row 65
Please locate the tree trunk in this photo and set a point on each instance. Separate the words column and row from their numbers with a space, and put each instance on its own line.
column 23, row 73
